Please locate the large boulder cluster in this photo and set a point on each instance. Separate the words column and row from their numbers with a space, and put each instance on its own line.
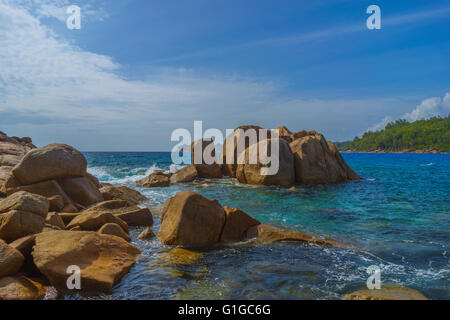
column 55, row 215
column 305, row 157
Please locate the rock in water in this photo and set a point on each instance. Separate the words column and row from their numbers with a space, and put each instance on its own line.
column 239, row 137
column 81, row 190
column 265, row 234
column 24, row 201
column 185, row 174
column 237, row 224
column 17, row 224
column 114, row 230
column 20, row 288
column 258, row 174
column 146, row 234
column 190, row 219
column 206, row 168
column 11, row 260
column 387, row 292
column 103, row 259
column 122, row 193
column 155, row 180
column 54, row 161
column 316, row 162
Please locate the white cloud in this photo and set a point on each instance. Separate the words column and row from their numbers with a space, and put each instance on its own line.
column 380, row 125
column 428, row 108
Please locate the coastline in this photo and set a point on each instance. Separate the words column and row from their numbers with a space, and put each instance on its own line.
column 430, row 151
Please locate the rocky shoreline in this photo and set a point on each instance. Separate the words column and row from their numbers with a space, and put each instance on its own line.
column 55, row 217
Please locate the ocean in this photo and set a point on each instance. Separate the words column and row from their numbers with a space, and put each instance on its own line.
column 398, row 219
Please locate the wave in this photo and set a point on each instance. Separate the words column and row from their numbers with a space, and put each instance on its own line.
column 427, row 165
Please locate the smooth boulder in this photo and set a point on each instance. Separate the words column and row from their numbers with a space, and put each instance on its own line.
column 190, row 219
column 103, row 259
column 81, row 190
column 92, row 220
column 254, row 170
column 52, row 162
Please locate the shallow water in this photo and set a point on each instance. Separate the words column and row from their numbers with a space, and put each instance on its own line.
column 398, row 219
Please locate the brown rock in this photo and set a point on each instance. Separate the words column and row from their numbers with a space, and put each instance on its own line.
column 258, row 174
column 267, row 234
column 70, row 208
column 190, row 219
column 239, row 137
column 94, row 180
column 81, row 190
column 114, row 230
column 146, row 234
column 103, row 259
column 5, row 172
column 155, row 180
column 185, row 174
column 56, row 203
column 206, row 164
column 92, row 220
column 127, row 211
column 13, row 149
column 55, row 220
column 181, row 256
column 67, row 217
column 122, row 193
column 237, row 224
column 20, row 288
column 387, row 292
column 11, row 260
column 24, row 201
column 46, row 189
column 17, row 224
column 25, row 246
column 316, row 162
column 52, row 162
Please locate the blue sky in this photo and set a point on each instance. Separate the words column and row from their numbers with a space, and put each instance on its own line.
column 137, row 70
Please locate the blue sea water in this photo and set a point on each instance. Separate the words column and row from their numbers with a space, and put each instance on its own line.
column 398, row 218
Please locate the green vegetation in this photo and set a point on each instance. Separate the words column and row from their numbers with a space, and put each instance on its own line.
column 400, row 135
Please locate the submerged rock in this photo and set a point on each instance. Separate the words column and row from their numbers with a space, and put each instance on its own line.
column 103, row 259
column 146, row 234
column 181, row 256
column 387, row 292
column 190, row 219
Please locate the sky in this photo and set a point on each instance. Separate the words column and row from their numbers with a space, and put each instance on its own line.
column 139, row 69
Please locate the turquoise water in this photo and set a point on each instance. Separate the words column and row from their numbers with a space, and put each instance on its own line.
column 398, row 219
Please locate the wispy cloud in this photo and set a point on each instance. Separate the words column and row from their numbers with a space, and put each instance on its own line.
column 323, row 34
